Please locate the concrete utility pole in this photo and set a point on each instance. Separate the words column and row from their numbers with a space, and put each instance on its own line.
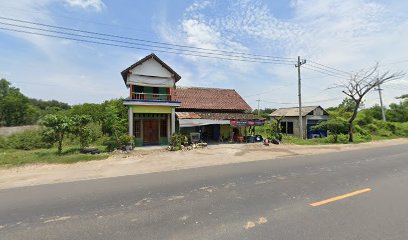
column 379, row 89
column 298, row 65
column 259, row 114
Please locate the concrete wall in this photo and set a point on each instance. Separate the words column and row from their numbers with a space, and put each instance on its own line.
column 7, row 131
column 296, row 126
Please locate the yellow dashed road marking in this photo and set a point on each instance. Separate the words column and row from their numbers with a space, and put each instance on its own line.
column 340, row 197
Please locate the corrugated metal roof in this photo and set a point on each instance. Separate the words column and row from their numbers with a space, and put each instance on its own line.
column 294, row 111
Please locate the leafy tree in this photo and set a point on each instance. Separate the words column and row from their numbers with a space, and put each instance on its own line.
column 398, row 112
column 80, row 128
column 272, row 129
column 15, row 108
column 115, row 125
column 93, row 110
column 335, row 127
column 57, row 127
column 45, row 105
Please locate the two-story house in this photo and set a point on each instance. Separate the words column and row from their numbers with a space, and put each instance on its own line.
column 153, row 99
column 151, row 103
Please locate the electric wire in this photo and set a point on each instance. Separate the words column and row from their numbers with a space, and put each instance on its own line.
column 144, row 40
column 139, row 48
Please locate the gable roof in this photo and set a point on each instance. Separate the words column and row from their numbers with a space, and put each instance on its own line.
column 294, row 111
column 210, row 99
column 125, row 72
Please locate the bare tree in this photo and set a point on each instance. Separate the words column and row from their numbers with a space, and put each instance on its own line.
column 360, row 84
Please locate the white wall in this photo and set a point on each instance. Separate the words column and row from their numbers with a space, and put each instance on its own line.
column 151, row 68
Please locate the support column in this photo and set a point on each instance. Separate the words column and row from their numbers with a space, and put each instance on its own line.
column 168, row 128
column 173, row 120
column 130, row 117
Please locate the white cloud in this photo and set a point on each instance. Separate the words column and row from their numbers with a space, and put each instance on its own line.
column 96, row 5
column 345, row 34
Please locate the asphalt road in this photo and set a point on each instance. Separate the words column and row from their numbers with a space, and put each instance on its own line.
column 255, row 200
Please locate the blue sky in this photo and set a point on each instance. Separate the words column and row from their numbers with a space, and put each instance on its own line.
column 345, row 34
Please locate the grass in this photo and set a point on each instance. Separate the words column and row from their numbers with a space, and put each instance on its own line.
column 13, row 157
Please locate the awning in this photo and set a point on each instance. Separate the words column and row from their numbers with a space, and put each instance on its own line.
column 201, row 122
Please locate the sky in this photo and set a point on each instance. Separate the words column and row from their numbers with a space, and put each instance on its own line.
column 347, row 35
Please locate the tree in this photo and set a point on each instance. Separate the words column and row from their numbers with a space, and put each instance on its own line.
column 57, row 127
column 360, row 84
column 15, row 108
column 80, row 129
column 334, row 126
column 398, row 112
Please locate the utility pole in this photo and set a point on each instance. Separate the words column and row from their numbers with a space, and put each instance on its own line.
column 379, row 89
column 259, row 114
column 298, row 65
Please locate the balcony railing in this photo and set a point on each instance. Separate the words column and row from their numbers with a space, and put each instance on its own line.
column 151, row 96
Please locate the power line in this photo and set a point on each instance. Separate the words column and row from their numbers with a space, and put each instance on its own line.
column 148, row 41
column 328, row 70
column 139, row 48
column 332, row 68
column 329, row 74
column 137, row 44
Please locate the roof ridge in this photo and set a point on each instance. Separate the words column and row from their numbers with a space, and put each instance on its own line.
column 190, row 87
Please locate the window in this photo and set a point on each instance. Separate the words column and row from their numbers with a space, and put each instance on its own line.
column 137, row 128
column 155, row 90
column 283, row 127
column 289, row 128
column 163, row 127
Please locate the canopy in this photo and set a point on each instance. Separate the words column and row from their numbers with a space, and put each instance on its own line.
column 201, row 122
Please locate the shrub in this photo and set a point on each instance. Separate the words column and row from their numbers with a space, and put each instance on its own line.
column 175, row 142
column 372, row 128
column 334, row 127
column 362, row 138
column 27, row 140
column 113, row 143
column 3, row 142
column 401, row 129
column 360, row 130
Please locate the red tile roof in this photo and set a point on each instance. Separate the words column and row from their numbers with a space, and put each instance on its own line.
column 195, row 98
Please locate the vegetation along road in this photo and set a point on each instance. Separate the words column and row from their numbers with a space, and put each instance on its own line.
column 349, row 195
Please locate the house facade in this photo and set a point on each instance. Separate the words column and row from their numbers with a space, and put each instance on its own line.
column 151, row 104
column 288, row 119
column 218, row 114
column 157, row 108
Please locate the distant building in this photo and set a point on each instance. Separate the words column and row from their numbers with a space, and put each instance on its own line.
column 311, row 116
column 157, row 109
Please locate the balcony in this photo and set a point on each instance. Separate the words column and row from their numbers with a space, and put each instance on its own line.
column 151, row 96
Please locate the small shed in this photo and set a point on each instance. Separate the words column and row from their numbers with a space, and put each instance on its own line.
column 311, row 115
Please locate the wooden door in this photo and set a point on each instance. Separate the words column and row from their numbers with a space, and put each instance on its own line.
column 150, row 131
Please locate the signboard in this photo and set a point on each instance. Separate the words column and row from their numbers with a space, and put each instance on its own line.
column 243, row 123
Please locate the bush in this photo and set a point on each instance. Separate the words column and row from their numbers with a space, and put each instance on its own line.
column 372, row 128
column 358, row 138
column 360, row 130
column 27, row 140
column 177, row 141
column 112, row 143
column 401, row 129
column 3, row 142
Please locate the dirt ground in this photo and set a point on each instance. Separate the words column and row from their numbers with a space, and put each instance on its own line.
column 154, row 159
